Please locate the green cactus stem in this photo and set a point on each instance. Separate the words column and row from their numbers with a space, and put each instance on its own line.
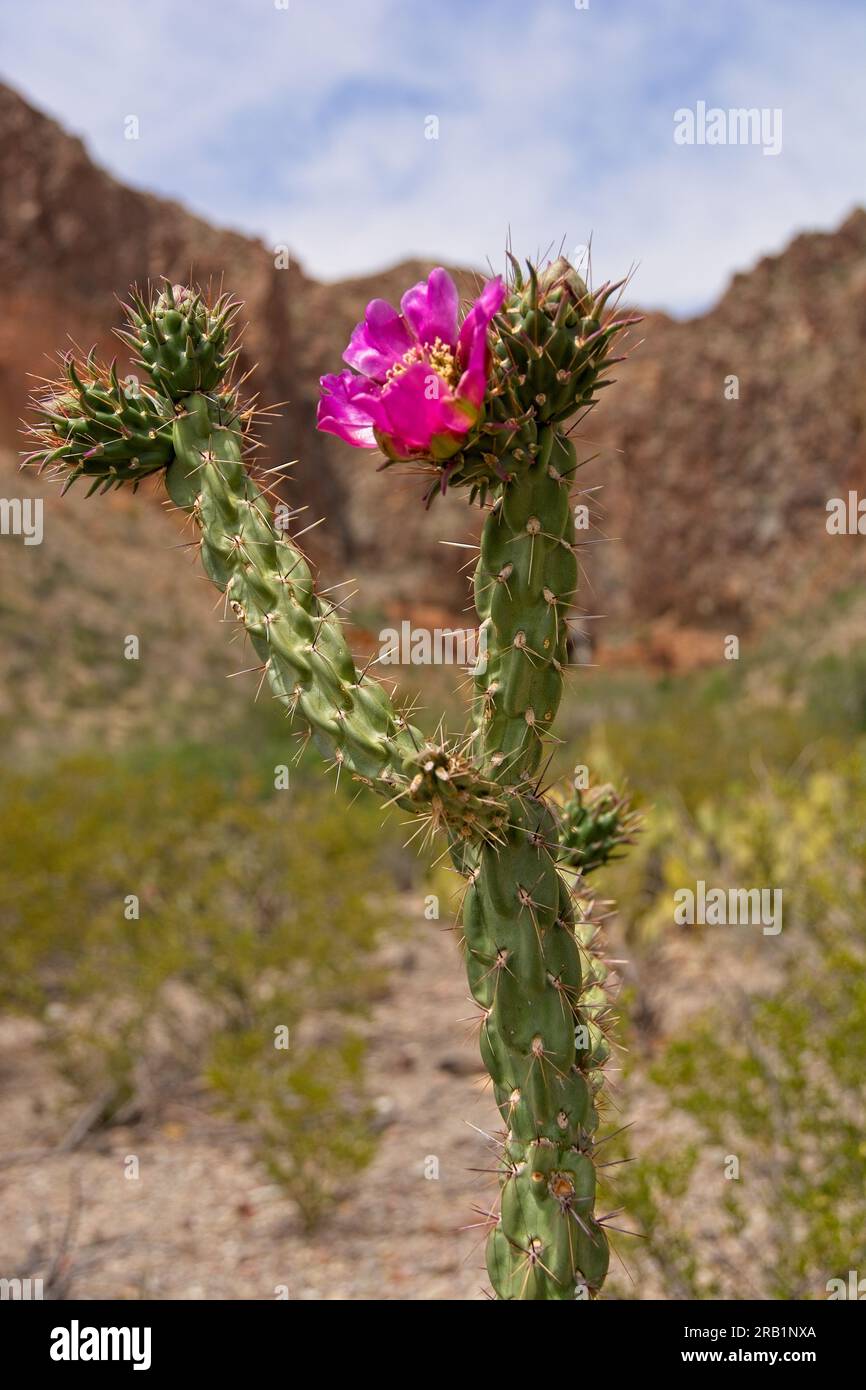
column 532, row 966
column 539, row 1037
column 525, row 583
column 542, row 1051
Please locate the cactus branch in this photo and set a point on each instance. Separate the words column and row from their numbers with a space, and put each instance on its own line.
column 269, row 588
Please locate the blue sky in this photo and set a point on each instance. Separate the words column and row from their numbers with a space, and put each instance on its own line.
column 304, row 122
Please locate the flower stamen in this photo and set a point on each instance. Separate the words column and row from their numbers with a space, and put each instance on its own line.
column 437, row 355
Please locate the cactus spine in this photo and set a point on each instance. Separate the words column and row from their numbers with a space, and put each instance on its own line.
column 529, row 938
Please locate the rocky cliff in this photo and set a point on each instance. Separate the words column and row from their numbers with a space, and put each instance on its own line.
column 717, row 452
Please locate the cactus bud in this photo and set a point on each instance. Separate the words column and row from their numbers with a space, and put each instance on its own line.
column 183, row 343
column 561, row 280
column 553, row 342
column 594, row 825
column 89, row 424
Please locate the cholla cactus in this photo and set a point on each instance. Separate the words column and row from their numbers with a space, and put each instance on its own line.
column 482, row 405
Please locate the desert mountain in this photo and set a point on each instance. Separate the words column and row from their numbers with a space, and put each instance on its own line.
column 717, row 452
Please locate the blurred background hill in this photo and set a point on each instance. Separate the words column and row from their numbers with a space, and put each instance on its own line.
column 160, row 778
column 707, row 497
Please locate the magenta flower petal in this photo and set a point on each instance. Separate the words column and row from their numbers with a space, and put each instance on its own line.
column 415, row 411
column 378, row 342
column 430, row 308
column 477, row 321
column 472, row 385
column 419, row 406
column 473, row 352
column 348, row 409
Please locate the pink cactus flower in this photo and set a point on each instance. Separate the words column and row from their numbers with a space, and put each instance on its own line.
column 416, row 384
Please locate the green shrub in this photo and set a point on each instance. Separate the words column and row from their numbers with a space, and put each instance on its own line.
column 256, row 924
column 775, row 1079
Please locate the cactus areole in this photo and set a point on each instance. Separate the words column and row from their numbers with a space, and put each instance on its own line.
column 484, row 403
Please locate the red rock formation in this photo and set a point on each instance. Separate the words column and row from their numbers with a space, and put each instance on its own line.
column 717, row 505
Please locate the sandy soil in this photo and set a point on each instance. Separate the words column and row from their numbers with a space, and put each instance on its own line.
column 202, row 1222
